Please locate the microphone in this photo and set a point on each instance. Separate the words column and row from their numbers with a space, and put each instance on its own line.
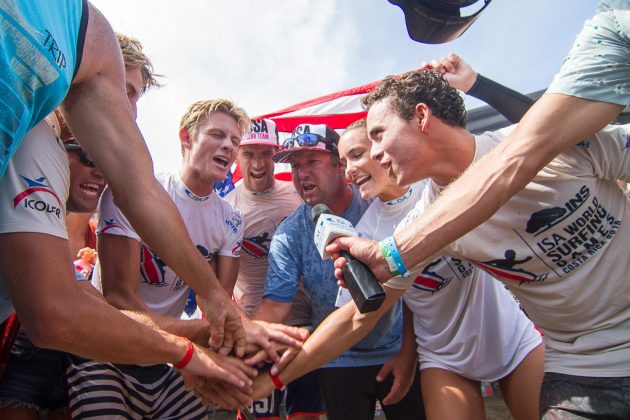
column 365, row 289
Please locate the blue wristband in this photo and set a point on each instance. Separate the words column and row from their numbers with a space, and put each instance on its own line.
column 395, row 257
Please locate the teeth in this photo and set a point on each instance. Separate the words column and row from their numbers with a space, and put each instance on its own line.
column 362, row 180
column 90, row 186
column 222, row 160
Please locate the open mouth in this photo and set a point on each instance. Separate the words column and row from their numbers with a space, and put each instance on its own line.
column 221, row 160
column 362, row 180
column 91, row 188
column 257, row 175
column 308, row 187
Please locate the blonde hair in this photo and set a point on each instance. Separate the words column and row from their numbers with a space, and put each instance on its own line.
column 135, row 58
column 202, row 109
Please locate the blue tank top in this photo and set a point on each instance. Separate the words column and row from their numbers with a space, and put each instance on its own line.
column 41, row 42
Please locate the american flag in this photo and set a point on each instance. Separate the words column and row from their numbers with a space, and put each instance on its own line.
column 336, row 110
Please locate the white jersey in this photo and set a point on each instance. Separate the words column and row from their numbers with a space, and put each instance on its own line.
column 559, row 245
column 262, row 213
column 464, row 321
column 34, row 190
column 214, row 226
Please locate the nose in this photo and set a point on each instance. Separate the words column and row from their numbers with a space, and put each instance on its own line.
column 351, row 170
column 96, row 173
column 376, row 153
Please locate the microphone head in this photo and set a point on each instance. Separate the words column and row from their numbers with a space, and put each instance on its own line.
column 318, row 210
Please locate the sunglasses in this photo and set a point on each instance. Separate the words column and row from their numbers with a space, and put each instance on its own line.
column 83, row 156
column 308, row 140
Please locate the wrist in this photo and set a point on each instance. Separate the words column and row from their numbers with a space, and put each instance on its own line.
column 394, row 261
column 277, row 382
column 190, row 350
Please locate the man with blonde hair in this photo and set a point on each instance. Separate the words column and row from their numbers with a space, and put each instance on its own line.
column 133, row 277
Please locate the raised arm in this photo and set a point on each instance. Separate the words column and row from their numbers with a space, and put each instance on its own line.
column 98, row 113
column 512, row 104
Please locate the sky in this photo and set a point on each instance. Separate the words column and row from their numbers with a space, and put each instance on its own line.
column 268, row 54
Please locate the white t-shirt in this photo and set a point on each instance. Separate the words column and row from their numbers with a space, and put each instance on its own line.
column 34, row 190
column 464, row 321
column 559, row 245
column 214, row 226
column 262, row 213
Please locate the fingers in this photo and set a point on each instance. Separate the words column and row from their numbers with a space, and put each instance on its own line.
column 223, row 395
column 238, row 334
column 228, row 343
column 286, row 357
column 386, row 369
column 257, row 358
column 292, row 336
column 217, row 324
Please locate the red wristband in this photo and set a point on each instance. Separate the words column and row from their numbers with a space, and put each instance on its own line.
column 187, row 357
column 277, row 382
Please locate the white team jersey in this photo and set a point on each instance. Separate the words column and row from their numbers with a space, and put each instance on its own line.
column 559, row 245
column 464, row 321
column 214, row 226
column 34, row 190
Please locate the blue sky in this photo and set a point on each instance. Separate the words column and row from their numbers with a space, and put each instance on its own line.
column 268, row 54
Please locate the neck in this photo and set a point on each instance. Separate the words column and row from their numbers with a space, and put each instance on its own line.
column 76, row 224
column 342, row 200
column 392, row 192
column 195, row 184
column 455, row 155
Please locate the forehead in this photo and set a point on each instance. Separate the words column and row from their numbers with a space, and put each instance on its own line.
column 257, row 148
column 354, row 138
column 306, row 155
column 221, row 121
column 379, row 113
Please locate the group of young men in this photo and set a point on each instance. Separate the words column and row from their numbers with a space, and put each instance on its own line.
column 557, row 244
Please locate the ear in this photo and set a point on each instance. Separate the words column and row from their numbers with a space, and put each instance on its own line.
column 184, row 138
column 423, row 113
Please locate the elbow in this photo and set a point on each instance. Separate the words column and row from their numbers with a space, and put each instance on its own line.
column 52, row 329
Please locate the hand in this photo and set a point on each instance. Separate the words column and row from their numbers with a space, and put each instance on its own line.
column 211, row 365
column 263, row 387
column 218, row 393
column 458, row 72
column 263, row 333
column 226, row 327
column 362, row 249
column 403, row 368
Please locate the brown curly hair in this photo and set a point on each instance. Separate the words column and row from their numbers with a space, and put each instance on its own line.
column 422, row 86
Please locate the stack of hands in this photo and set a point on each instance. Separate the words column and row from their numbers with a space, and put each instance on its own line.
column 231, row 383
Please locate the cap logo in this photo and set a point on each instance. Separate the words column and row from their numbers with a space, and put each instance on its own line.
column 260, row 126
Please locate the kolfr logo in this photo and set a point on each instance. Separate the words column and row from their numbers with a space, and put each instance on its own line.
column 34, row 186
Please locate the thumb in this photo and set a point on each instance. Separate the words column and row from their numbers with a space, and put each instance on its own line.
column 385, row 370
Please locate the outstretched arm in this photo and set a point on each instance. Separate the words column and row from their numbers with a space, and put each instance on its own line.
column 337, row 333
column 98, row 113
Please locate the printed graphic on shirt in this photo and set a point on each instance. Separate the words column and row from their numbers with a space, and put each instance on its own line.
column 257, row 246
column 440, row 272
column 506, row 268
column 561, row 237
column 40, row 203
column 111, row 224
column 151, row 267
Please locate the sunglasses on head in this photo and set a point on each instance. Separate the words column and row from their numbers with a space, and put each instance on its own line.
column 83, row 156
column 308, row 140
